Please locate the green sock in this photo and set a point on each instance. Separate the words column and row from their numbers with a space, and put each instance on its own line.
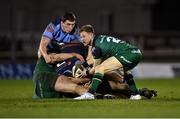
column 141, row 92
column 96, row 81
column 130, row 81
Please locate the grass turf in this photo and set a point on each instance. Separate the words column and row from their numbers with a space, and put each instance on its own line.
column 16, row 101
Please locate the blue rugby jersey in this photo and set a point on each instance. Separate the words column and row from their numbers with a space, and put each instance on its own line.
column 65, row 67
column 54, row 32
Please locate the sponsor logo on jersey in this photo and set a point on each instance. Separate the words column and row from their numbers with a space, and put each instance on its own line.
column 136, row 51
column 50, row 28
column 123, row 58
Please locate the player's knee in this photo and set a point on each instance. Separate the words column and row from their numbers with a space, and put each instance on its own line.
column 64, row 84
column 59, row 84
column 99, row 68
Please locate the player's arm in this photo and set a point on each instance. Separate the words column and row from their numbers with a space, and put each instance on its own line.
column 96, row 63
column 89, row 58
column 45, row 39
column 64, row 56
column 43, row 49
column 80, row 80
column 97, row 55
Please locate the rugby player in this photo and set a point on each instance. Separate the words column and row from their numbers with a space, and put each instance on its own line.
column 56, row 34
column 51, row 79
column 64, row 84
column 113, row 82
column 110, row 54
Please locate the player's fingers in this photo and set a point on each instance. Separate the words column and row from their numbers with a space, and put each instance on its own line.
column 87, row 85
column 80, row 57
column 47, row 59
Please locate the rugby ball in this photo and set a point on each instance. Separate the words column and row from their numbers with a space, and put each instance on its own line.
column 77, row 70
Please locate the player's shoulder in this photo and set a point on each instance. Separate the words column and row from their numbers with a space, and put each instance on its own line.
column 56, row 22
column 97, row 38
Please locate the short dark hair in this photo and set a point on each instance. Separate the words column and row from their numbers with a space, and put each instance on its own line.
column 68, row 16
column 87, row 28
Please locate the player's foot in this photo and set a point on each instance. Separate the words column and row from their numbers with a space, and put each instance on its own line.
column 148, row 93
column 85, row 96
column 109, row 96
column 135, row 97
column 98, row 96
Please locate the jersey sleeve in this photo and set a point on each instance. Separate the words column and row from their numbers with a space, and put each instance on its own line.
column 96, row 52
column 48, row 32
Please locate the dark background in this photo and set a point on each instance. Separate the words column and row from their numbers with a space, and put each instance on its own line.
column 153, row 25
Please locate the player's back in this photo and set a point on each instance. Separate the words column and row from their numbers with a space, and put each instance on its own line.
column 65, row 67
column 42, row 66
column 110, row 45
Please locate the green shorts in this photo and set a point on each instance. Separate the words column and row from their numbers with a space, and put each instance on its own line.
column 130, row 58
column 44, row 85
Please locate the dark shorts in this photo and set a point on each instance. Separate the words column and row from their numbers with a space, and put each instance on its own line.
column 44, row 85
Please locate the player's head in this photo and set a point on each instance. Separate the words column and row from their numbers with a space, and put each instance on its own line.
column 68, row 21
column 87, row 34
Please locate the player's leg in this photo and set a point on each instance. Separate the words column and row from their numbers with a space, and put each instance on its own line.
column 115, row 81
column 129, row 79
column 114, row 76
column 66, row 85
column 108, row 65
column 117, row 87
column 120, row 90
column 44, row 78
column 130, row 60
column 80, row 80
column 44, row 85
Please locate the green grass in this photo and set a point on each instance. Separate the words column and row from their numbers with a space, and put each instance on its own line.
column 16, row 101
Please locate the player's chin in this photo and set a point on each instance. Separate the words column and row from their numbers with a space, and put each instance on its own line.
column 85, row 44
column 68, row 30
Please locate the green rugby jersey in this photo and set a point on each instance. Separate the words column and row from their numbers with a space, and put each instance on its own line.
column 110, row 46
column 42, row 66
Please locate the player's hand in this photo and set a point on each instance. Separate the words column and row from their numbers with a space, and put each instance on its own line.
column 48, row 59
column 53, row 57
column 78, row 56
column 79, row 71
column 87, row 85
column 83, row 73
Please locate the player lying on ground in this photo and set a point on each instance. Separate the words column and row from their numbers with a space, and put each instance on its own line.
column 113, row 83
column 49, row 80
column 51, row 85
column 109, row 54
